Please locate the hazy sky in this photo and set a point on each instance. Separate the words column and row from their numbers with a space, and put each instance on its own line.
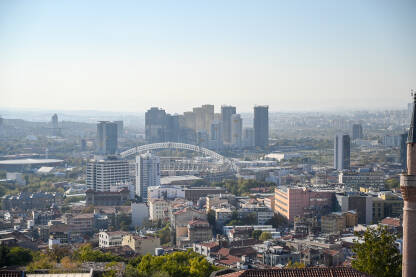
column 130, row 55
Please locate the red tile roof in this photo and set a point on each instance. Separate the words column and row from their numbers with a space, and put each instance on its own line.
column 391, row 221
column 299, row 272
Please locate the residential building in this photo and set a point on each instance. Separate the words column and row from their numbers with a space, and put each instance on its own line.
column 357, row 131
column 155, row 125
column 158, row 209
column 292, row 201
column 277, row 255
column 147, row 173
column 226, row 113
column 333, row 223
column 107, row 198
column 81, row 223
column 357, row 179
column 165, row 192
column 248, row 137
column 106, row 142
column 216, row 135
column 141, row 245
column 109, row 239
column 120, row 128
column 341, row 151
column 194, row 193
column 199, row 231
column 261, row 126
column 104, row 172
column 236, row 130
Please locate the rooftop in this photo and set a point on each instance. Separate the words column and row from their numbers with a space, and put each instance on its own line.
column 299, row 272
column 30, row 161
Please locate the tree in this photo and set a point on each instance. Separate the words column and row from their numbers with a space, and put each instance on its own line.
column 164, row 235
column 19, row 256
column 86, row 254
column 256, row 234
column 211, row 217
column 278, row 221
column 177, row 264
column 265, row 236
column 376, row 253
column 290, row 264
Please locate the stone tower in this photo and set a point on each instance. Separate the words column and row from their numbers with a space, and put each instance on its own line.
column 408, row 189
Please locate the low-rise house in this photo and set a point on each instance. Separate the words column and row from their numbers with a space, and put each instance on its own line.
column 278, row 255
column 110, row 239
column 141, row 245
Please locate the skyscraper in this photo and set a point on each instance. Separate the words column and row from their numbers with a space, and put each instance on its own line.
column 248, row 137
column 357, row 131
column 172, row 132
column 226, row 113
column 55, row 126
column 341, row 151
column 120, row 128
column 106, row 138
column 147, row 173
column 408, row 189
column 236, row 130
column 216, row 139
column 261, row 126
column 155, row 125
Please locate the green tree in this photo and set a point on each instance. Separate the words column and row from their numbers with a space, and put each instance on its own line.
column 164, row 235
column 256, row 234
column 86, row 254
column 377, row 254
column 211, row 217
column 290, row 264
column 265, row 236
column 19, row 256
column 277, row 221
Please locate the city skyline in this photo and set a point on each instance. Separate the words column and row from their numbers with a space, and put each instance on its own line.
column 290, row 56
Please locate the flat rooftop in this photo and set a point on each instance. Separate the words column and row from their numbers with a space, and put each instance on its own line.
column 30, row 161
column 185, row 178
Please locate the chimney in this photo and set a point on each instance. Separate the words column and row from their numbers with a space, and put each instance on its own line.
column 408, row 189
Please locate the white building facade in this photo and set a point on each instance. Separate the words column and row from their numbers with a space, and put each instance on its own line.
column 102, row 173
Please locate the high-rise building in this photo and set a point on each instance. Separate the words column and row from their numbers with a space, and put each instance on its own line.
column 403, row 151
column 55, row 125
column 202, row 139
column 155, row 125
column 341, row 151
column 120, row 128
column 216, row 139
column 226, row 113
column 106, row 141
column 236, row 130
column 248, row 137
column 408, row 189
column 172, row 131
column 357, row 131
column 261, row 126
column 102, row 173
column 147, row 173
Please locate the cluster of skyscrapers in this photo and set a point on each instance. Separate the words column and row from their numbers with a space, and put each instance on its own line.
column 203, row 127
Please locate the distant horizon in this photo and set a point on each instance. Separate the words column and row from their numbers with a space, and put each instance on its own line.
column 217, row 110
